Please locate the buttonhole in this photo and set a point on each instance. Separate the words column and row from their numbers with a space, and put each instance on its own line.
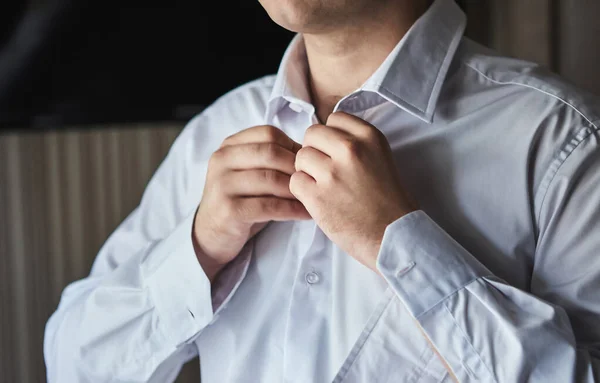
column 406, row 269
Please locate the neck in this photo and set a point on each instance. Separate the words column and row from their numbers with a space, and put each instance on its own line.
column 342, row 59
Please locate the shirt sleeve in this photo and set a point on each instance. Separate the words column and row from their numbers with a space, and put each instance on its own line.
column 489, row 331
column 147, row 297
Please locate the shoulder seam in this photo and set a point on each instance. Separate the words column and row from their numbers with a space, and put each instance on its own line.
column 566, row 150
column 534, row 88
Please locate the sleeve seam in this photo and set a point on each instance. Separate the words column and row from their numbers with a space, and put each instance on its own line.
column 549, row 178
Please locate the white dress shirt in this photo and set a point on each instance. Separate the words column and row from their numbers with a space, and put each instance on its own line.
column 500, row 268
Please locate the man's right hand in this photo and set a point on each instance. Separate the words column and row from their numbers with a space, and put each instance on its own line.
column 247, row 185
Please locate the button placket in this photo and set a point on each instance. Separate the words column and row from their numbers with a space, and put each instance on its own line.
column 311, row 295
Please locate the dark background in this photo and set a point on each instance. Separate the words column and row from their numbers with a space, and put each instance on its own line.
column 65, row 62
column 73, row 62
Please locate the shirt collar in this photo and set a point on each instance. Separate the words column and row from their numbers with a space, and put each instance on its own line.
column 411, row 77
column 291, row 85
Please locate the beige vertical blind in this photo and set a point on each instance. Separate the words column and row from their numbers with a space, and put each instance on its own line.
column 61, row 194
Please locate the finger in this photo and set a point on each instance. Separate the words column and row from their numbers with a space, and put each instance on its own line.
column 313, row 162
column 258, row 182
column 264, row 209
column 302, row 186
column 262, row 133
column 257, row 156
column 325, row 138
column 351, row 124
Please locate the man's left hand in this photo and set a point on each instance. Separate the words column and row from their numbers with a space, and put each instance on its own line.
column 347, row 180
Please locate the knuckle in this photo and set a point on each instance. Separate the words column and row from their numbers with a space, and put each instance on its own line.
column 227, row 140
column 270, row 205
column 216, row 157
column 373, row 135
column 301, row 154
column 311, row 129
column 335, row 118
column 254, row 149
column 270, row 133
column 296, row 178
column 270, row 176
column 295, row 183
column 263, row 176
column 351, row 148
column 311, row 132
column 270, row 151
column 244, row 210
column 298, row 185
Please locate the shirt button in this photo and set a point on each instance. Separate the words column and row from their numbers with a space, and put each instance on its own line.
column 312, row 278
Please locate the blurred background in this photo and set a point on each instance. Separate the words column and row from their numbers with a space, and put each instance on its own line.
column 92, row 94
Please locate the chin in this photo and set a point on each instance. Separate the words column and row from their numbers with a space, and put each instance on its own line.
column 298, row 16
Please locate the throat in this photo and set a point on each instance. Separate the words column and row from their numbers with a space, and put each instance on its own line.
column 323, row 102
column 342, row 59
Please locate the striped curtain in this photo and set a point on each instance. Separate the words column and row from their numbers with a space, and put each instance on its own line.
column 61, row 194
column 559, row 34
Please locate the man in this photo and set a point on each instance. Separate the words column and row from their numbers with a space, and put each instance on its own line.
column 397, row 204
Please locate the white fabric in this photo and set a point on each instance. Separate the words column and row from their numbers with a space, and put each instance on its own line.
column 500, row 268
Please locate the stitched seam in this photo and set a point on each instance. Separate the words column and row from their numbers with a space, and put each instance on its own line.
column 469, row 342
column 430, row 90
column 532, row 87
column 417, row 371
column 380, row 86
column 549, row 178
column 552, row 175
column 425, row 369
column 342, row 376
column 367, row 335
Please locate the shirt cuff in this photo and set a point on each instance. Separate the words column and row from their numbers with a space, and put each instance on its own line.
column 179, row 288
column 423, row 264
column 230, row 278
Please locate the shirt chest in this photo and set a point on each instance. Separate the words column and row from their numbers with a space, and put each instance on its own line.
column 469, row 172
column 309, row 312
